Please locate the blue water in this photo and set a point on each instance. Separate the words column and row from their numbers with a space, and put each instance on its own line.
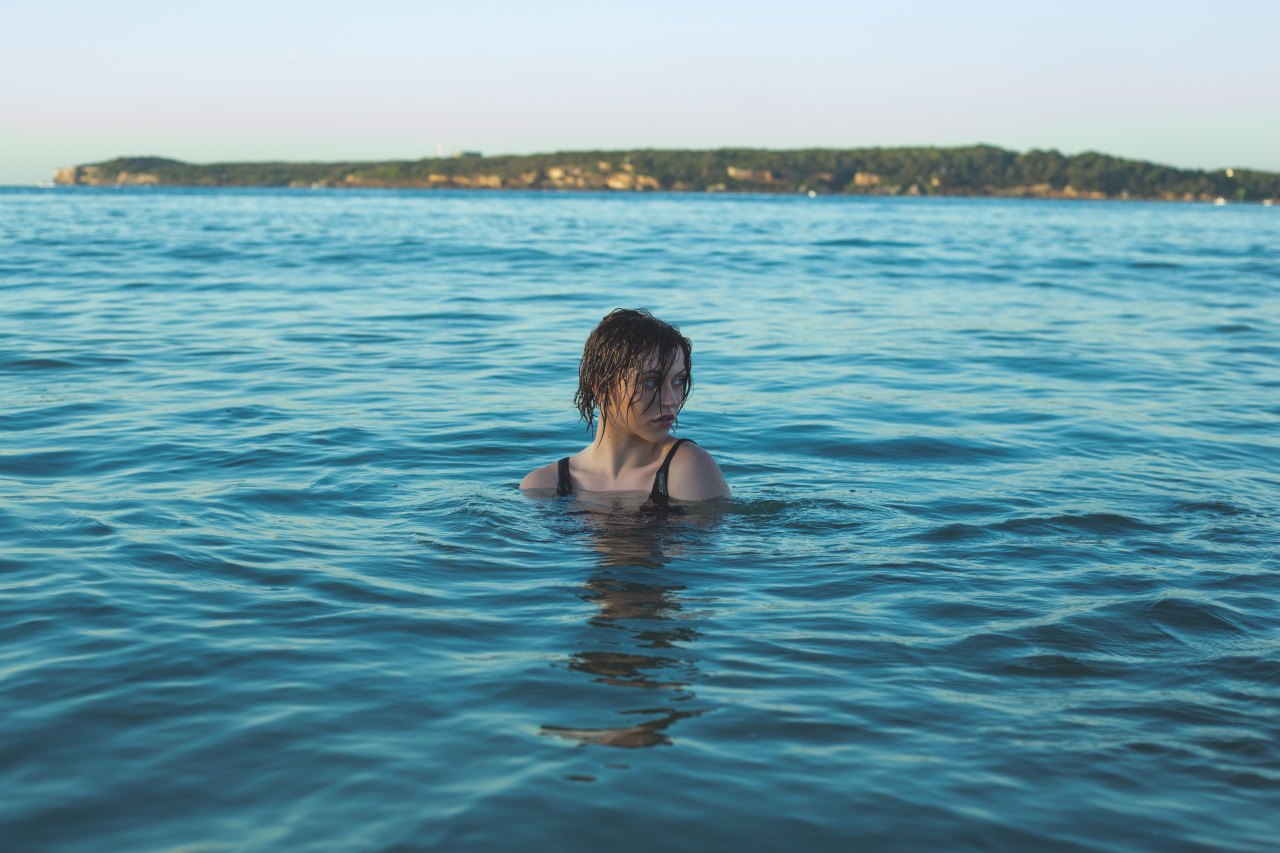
column 1000, row 569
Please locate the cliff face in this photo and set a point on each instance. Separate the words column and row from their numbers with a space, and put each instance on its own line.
column 93, row 176
column 603, row 177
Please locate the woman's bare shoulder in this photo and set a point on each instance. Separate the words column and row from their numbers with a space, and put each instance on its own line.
column 546, row 477
column 695, row 476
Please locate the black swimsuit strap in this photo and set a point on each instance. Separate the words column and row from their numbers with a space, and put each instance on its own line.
column 564, row 485
column 659, row 496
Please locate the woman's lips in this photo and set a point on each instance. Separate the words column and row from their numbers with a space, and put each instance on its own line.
column 665, row 420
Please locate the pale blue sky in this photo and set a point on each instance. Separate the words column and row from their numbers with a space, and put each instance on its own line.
column 1190, row 84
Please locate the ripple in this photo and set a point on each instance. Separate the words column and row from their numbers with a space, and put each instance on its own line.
column 862, row 242
column 913, row 450
column 1190, row 616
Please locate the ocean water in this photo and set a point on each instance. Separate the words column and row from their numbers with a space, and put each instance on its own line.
column 1000, row 570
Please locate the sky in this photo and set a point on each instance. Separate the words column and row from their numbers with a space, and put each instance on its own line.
column 1190, row 84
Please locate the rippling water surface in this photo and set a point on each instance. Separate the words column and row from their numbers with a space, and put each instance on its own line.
column 1000, row 569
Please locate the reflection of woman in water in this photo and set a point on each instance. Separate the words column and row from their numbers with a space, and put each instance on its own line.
column 651, row 615
column 636, row 372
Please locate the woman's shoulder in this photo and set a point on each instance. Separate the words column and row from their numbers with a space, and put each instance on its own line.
column 546, row 477
column 695, row 476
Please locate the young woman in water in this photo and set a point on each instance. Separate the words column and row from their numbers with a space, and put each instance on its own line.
column 636, row 372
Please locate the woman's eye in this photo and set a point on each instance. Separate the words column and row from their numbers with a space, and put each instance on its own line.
column 650, row 384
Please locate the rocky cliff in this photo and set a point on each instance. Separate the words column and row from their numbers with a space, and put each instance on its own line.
column 95, row 176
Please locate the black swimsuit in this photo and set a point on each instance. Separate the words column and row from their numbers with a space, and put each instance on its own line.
column 657, row 496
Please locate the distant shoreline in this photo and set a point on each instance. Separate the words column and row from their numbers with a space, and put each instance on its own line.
column 667, row 193
column 974, row 171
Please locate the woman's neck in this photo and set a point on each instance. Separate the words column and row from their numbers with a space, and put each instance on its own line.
column 614, row 452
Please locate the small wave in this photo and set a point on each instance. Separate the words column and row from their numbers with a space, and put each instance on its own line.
column 492, row 253
column 346, row 257
column 863, row 242
column 1257, row 669
column 915, row 450
column 955, row 533
column 201, row 253
column 1094, row 523
column 1189, row 616
column 64, row 525
column 1116, row 631
column 1054, row 665
column 578, row 297
column 1268, row 270
column 83, row 252
column 248, row 414
column 758, row 508
column 79, row 360
column 36, row 364
column 475, row 318
column 1208, row 507
column 45, row 464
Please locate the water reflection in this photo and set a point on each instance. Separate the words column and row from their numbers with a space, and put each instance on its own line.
column 625, row 531
column 641, row 625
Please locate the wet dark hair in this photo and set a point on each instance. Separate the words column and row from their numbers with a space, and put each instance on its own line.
column 616, row 354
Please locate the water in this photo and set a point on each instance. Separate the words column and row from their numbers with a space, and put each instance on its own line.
column 999, row 572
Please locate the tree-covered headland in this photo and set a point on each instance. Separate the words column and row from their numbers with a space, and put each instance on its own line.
column 979, row 170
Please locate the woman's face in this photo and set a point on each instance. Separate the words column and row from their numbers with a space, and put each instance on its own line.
column 652, row 403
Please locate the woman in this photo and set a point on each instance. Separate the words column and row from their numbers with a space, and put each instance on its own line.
column 636, row 372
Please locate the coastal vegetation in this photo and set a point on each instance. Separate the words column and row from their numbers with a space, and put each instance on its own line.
column 978, row 170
